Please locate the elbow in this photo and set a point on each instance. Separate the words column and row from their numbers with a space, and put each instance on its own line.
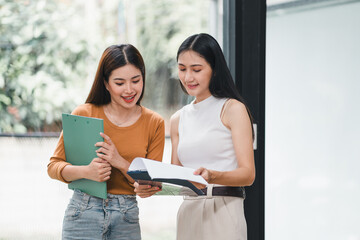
column 50, row 171
column 250, row 179
column 55, row 168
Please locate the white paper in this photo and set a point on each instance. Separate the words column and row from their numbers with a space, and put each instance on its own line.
column 137, row 165
column 163, row 170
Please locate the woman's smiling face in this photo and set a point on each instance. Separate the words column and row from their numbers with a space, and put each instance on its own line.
column 195, row 74
column 125, row 86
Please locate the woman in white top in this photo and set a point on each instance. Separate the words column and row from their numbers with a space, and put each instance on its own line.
column 213, row 135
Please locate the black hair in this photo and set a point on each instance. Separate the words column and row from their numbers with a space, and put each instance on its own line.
column 221, row 83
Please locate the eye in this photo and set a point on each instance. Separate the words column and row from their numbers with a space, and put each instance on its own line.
column 197, row 70
column 119, row 84
column 136, row 81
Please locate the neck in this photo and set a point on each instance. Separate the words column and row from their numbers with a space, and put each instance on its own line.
column 117, row 110
column 202, row 97
column 121, row 116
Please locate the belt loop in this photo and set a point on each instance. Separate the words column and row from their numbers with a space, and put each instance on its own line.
column 85, row 200
column 209, row 191
column 122, row 203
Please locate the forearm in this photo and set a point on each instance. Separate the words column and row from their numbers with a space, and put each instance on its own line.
column 123, row 166
column 237, row 177
column 72, row 173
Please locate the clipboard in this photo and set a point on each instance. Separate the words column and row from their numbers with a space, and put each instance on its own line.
column 80, row 135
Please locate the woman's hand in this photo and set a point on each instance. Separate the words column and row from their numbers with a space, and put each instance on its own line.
column 98, row 170
column 146, row 190
column 207, row 174
column 109, row 153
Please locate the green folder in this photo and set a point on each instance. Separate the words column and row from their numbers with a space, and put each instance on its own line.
column 80, row 135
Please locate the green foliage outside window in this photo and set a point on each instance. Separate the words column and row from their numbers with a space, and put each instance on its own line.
column 49, row 50
column 162, row 26
column 41, row 60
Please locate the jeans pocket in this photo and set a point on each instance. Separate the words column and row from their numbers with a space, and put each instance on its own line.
column 74, row 210
column 132, row 214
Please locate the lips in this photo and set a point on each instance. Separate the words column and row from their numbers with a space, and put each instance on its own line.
column 129, row 99
column 192, row 86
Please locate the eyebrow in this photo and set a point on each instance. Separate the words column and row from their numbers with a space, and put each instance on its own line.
column 130, row 78
column 193, row 65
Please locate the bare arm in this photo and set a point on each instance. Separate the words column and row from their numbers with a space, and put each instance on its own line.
column 174, row 135
column 236, row 119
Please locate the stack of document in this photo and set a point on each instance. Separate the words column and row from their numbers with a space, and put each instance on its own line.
column 179, row 177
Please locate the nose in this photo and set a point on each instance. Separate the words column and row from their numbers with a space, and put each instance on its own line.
column 188, row 76
column 128, row 88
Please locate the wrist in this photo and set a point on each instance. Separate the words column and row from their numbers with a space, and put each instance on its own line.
column 122, row 165
column 213, row 176
column 71, row 172
column 84, row 171
column 125, row 167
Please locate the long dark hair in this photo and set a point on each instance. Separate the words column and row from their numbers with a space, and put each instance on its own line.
column 221, row 82
column 114, row 57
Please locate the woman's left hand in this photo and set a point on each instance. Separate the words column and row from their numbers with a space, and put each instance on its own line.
column 109, row 153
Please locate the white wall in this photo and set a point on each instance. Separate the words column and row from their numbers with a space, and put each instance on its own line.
column 313, row 124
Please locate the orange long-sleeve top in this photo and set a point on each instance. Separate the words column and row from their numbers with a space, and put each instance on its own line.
column 145, row 138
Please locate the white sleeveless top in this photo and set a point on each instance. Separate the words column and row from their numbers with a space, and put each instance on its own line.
column 204, row 141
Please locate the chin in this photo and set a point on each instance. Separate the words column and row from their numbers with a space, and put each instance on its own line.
column 191, row 92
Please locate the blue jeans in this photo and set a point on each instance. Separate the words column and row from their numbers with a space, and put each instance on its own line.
column 88, row 217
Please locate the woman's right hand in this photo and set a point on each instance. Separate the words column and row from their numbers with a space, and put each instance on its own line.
column 99, row 170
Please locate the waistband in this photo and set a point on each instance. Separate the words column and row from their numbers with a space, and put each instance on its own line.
column 81, row 195
column 112, row 202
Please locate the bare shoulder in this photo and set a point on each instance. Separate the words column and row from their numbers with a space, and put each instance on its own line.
column 235, row 107
column 174, row 119
column 235, row 112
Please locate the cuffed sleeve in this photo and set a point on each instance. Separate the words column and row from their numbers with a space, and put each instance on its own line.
column 58, row 161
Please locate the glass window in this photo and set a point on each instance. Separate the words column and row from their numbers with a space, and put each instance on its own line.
column 48, row 64
column 312, row 115
column 49, row 51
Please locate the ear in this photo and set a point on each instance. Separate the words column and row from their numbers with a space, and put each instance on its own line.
column 106, row 85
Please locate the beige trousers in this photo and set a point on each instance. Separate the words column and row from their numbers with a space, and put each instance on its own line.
column 211, row 218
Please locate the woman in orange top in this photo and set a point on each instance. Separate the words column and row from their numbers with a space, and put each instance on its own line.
column 130, row 130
